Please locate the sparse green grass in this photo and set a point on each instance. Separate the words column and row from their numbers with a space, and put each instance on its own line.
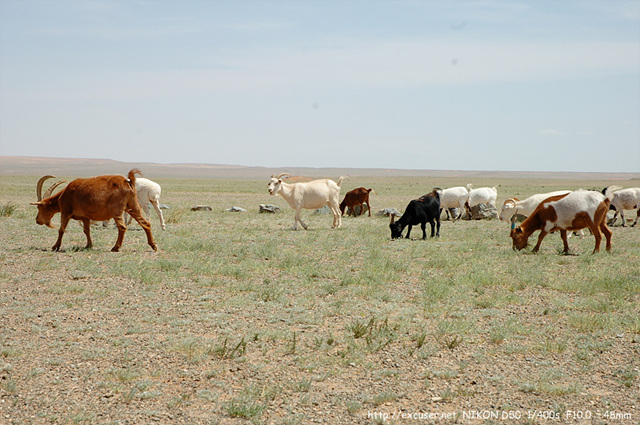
column 238, row 318
column 7, row 209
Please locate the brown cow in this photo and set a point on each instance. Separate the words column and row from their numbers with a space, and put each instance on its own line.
column 97, row 198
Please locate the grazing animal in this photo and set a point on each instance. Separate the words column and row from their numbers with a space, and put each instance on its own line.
column 354, row 198
column 625, row 199
column 148, row 191
column 514, row 206
column 419, row 211
column 308, row 195
column 481, row 195
column 453, row 197
column 571, row 211
column 98, row 198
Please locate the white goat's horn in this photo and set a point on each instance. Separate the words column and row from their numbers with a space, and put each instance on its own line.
column 279, row 176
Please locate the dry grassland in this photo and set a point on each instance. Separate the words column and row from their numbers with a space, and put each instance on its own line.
column 237, row 319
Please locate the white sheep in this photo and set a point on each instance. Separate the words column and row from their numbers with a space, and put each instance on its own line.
column 309, row 195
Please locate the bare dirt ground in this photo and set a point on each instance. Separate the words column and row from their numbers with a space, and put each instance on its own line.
column 93, row 337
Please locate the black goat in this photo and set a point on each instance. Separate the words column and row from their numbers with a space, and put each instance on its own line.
column 419, row 211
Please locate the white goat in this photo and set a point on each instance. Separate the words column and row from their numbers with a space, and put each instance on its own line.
column 626, row 199
column 146, row 191
column 309, row 195
column 453, row 197
column 512, row 206
column 481, row 195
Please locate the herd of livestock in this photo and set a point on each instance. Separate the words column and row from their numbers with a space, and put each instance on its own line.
column 107, row 197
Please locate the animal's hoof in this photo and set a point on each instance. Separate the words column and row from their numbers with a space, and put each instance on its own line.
column 115, row 249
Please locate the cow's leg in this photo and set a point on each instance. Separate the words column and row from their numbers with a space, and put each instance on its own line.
column 437, row 226
column 423, row 226
column 565, row 242
column 408, row 232
column 543, row 233
column 87, row 231
column 64, row 220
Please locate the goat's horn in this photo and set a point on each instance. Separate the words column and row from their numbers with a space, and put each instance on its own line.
column 279, row 176
column 53, row 186
column 40, row 183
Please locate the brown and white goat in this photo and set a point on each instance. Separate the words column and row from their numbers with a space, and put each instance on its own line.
column 97, row 198
column 354, row 198
column 568, row 212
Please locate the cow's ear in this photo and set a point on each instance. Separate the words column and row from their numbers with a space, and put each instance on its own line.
column 37, row 203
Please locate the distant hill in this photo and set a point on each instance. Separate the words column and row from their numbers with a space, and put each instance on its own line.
column 36, row 166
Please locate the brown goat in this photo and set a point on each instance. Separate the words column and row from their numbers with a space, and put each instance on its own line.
column 97, row 198
column 354, row 198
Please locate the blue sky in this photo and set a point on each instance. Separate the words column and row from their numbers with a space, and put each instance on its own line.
column 462, row 85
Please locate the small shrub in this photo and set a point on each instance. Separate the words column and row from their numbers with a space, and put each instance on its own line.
column 384, row 397
column 244, row 406
column 8, row 209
